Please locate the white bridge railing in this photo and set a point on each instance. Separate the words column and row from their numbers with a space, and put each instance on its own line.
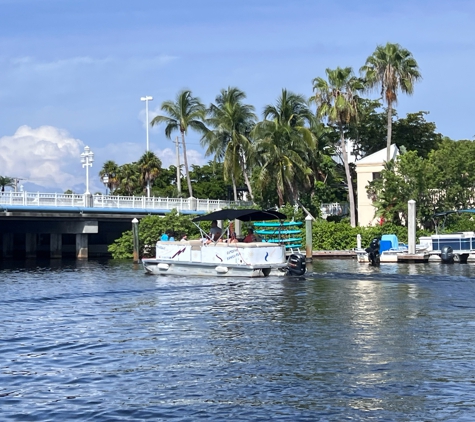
column 142, row 202
column 113, row 201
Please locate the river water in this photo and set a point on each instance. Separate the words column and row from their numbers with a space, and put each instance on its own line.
column 102, row 341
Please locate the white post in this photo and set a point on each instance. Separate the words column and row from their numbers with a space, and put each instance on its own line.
column 358, row 241
column 411, row 226
column 87, row 158
column 147, row 99
column 308, row 238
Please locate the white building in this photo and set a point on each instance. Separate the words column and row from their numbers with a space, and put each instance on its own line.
column 368, row 169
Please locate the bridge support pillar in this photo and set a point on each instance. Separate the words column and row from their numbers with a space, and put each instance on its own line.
column 82, row 251
column 7, row 245
column 56, row 245
column 30, row 245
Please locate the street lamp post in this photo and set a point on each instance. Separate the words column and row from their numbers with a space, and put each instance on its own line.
column 87, row 157
column 147, row 99
column 105, row 180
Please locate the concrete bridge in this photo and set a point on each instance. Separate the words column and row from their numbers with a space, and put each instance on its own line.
column 52, row 225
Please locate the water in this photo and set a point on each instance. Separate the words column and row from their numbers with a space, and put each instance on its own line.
column 101, row 341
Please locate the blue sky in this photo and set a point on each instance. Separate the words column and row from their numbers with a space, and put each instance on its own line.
column 72, row 71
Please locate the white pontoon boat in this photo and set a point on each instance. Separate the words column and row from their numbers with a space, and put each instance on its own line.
column 220, row 258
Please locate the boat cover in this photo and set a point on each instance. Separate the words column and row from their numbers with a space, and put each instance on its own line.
column 243, row 215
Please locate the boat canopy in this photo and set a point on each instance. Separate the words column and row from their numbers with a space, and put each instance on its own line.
column 243, row 215
column 446, row 213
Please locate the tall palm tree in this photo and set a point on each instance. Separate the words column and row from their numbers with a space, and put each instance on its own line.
column 230, row 141
column 150, row 166
column 128, row 178
column 336, row 99
column 283, row 145
column 186, row 112
column 391, row 68
column 6, row 181
column 110, row 169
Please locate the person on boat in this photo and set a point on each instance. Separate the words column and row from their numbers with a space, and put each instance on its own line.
column 184, row 238
column 251, row 237
column 164, row 237
column 215, row 231
column 233, row 238
column 171, row 236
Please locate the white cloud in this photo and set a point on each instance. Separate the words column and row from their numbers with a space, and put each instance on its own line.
column 168, row 157
column 47, row 156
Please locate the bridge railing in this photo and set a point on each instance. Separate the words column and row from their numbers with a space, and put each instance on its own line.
column 114, row 201
column 335, row 208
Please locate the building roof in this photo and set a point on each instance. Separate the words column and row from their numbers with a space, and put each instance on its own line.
column 380, row 156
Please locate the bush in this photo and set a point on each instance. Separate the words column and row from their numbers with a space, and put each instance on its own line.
column 150, row 230
column 341, row 236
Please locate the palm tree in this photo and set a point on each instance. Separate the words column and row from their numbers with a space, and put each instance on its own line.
column 337, row 100
column 110, row 169
column 230, row 141
column 392, row 68
column 128, row 178
column 150, row 166
column 283, row 145
column 6, row 181
column 186, row 112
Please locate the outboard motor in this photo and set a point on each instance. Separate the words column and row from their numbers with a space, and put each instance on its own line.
column 447, row 255
column 373, row 252
column 296, row 264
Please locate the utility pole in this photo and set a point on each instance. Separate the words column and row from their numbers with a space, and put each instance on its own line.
column 16, row 180
column 178, row 172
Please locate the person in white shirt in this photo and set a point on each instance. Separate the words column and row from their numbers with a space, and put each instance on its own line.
column 215, row 231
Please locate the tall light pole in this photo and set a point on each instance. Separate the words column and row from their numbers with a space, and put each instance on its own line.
column 147, row 99
column 87, row 158
column 105, row 180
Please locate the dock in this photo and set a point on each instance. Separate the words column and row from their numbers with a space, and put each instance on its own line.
column 413, row 258
column 334, row 254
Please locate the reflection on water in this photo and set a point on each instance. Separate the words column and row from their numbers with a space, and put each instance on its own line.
column 102, row 341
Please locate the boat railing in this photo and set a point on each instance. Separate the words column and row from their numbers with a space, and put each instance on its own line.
column 334, row 209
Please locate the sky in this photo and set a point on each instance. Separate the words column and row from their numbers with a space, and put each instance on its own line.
column 72, row 71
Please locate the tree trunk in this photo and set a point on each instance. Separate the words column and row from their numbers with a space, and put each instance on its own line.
column 246, row 178
column 390, row 126
column 351, row 197
column 233, row 179
column 280, row 190
column 185, row 162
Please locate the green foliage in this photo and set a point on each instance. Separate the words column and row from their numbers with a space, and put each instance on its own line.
column 416, row 134
column 292, row 212
column 413, row 132
column 341, row 236
column 150, row 230
column 6, row 181
column 456, row 223
column 123, row 247
column 208, row 181
column 443, row 181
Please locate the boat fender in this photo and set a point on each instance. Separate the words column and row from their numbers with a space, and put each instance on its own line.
column 447, row 255
column 221, row 270
column 163, row 267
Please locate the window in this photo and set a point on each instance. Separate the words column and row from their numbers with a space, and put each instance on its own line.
column 376, row 175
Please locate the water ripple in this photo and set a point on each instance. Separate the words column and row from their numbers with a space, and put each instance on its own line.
column 100, row 341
